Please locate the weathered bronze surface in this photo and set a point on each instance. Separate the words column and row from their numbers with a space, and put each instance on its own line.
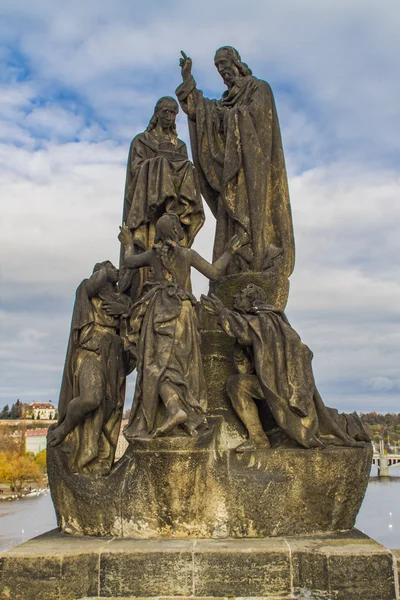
column 163, row 335
column 93, row 386
column 159, row 178
column 237, row 149
column 273, row 367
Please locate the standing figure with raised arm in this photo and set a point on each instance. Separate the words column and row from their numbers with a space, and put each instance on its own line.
column 164, row 337
column 237, row 150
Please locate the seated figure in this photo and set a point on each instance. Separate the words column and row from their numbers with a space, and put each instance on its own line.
column 93, row 385
column 274, row 381
column 163, row 335
column 160, row 178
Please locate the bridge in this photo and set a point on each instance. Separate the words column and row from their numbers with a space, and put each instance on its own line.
column 384, row 461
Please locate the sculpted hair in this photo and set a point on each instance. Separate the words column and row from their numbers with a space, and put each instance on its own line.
column 167, row 251
column 98, row 266
column 165, row 225
column 153, row 121
column 244, row 69
column 256, row 294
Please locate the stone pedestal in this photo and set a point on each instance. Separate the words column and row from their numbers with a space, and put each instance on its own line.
column 342, row 566
column 181, row 487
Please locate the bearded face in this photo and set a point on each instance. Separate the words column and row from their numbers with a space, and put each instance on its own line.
column 242, row 302
column 249, row 297
column 226, row 68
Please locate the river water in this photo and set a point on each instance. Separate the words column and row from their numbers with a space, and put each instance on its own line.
column 379, row 516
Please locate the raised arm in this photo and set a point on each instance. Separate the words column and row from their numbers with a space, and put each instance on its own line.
column 234, row 324
column 217, row 269
column 132, row 260
column 187, row 92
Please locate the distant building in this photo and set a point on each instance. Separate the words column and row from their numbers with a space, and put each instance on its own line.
column 36, row 440
column 41, row 410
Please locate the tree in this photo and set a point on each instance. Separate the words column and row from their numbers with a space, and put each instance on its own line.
column 16, row 470
column 8, row 443
column 5, row 413
column 41, row 460
column 19, row 409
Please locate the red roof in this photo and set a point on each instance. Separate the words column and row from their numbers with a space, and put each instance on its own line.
column 36, row 432
column 42, row 405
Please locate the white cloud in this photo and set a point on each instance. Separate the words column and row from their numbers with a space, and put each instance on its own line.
column 381, row 384
column 339, row 58
column 81, row 79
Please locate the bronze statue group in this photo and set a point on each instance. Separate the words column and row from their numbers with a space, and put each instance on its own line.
column 145, row 317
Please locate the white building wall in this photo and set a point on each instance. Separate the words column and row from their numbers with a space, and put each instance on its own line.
column 35, row 443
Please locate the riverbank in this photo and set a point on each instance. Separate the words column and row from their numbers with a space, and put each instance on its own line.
column 32, row 490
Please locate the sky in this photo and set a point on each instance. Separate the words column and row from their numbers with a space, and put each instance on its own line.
column 78, row 80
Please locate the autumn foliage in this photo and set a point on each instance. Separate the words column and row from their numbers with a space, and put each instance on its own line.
column 16, row 467
column 17, row 470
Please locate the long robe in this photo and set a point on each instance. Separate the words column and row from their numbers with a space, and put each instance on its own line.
column 155, row 183
column 94, row 350
column 165, row 341
column 237, row 150
column 282, row 364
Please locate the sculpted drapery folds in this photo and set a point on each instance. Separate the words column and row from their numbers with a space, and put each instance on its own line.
column 163, row 336
column 93, row 385
column 159, row 178
column 237, row 149
column 274, row 367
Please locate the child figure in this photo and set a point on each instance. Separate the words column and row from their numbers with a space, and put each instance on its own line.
column 164, row 336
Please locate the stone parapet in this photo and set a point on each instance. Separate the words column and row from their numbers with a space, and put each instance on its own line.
column 342, row 566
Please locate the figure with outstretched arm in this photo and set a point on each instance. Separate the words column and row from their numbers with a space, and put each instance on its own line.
column 163, row 334
column 185, row 257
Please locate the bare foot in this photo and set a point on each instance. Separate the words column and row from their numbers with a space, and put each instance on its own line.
column 190, row 429
column 171, row 422
column 55, row 436
column 253, row 444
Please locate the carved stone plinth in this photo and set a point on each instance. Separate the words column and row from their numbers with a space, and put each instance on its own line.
column 199, row 487
column 343, row 566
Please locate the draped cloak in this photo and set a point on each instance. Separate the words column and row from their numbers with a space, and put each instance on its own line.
column 165, row 341
column 282, row 364
column 237, row 150
column 94, row 349
column 156, row 182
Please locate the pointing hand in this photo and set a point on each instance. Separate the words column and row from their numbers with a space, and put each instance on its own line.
column 185, row 64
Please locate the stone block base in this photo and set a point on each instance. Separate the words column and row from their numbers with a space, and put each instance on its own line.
column 341, row 566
